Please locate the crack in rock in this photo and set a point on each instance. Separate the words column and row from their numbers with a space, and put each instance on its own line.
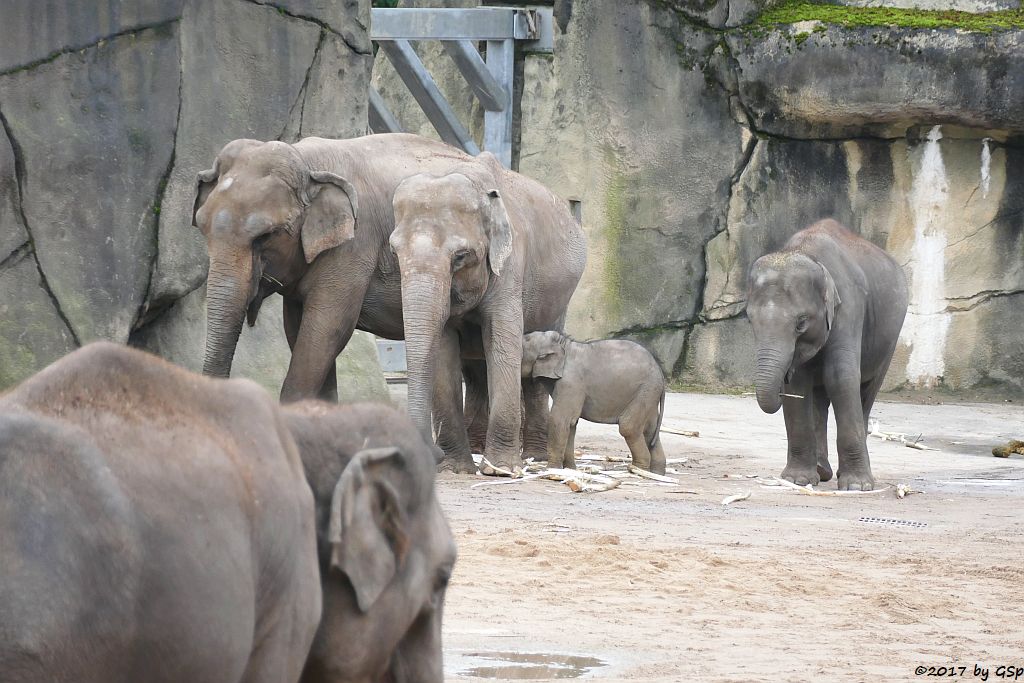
column 76, row 48
column 300, row 98
column 17, row 256
column 19, row 176
column 149, row 309
column 979, row 299
column 326, row 27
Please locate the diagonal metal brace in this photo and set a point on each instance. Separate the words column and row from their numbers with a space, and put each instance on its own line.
column 381, row 118
column 423, row 88
column 488, row 90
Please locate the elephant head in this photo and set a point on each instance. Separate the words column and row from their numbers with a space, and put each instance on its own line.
column 265, row 216
column 544, row 354
column 452, row 237
column 386, row 552
column 792, row 303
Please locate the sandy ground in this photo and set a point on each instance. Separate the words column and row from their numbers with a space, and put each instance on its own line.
column 663, row 586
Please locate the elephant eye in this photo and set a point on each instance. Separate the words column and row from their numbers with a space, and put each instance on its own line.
column 459, row 259
column 545, row 355
column 801, row 324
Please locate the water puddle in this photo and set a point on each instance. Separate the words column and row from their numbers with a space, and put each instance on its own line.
column 526, row 666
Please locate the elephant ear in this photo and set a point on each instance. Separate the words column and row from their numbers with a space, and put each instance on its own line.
column 207, row 180
column 552, row 364
column 331, row 214
column 832, row 300
column 368, row 529
column 499, row 232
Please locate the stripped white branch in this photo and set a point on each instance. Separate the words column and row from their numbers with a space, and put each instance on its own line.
column 680, row 432
column 735, row 499
column 651, row 475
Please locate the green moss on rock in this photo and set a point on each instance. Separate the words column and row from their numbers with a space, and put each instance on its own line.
column 794, row 11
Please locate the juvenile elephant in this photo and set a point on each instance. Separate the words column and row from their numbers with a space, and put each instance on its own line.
column 158, row 526
column 827, row 312
column 312, row 222
column 613, row 381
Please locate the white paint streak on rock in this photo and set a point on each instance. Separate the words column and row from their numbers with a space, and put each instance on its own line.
column 986, row 166
column 927, row 320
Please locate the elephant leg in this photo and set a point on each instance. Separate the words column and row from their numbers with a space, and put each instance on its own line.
column 802, row 449
column 535, row 432
column 633, row 428
column 842, row 381
column 869, row 390
column 569, row 457
column 562, row 419
column 503, row 349
column 475, row 374
column 448, row 421
column 653, row 439
column 329, row 389
column 820, row 405
column 327, row 322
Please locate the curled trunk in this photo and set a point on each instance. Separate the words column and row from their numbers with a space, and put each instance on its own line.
column 227, row 295
column 772, row 365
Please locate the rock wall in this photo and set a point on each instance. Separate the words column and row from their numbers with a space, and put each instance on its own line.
column 699, row 138
column 109, row 110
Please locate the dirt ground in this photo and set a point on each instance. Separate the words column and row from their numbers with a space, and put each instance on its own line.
column 663, row 586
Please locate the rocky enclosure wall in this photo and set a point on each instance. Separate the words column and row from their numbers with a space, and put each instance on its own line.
column 109, row 109
column 698, row 139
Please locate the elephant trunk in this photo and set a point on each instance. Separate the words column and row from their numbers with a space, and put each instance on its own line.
column 227, row 295
column 425, row 306
column 772, row 366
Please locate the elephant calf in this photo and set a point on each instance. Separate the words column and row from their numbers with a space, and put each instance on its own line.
column 826, row 312
column 159, row 526
column 613, row 381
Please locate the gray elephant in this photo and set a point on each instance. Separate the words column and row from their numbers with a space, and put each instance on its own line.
column 385, row 549
column 156, row 525
column 826, row 312
column 312, row 222
column 485, row 255
column 612, row 381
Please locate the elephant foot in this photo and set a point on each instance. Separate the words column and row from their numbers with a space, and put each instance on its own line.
column 824, row 470
column 856, row 480
column 458, row 464
column 507, row 467
column 801, row 475
column 538, row 454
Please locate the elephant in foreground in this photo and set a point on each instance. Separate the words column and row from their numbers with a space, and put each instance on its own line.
column 826, row 311
column 386, row 559
column 158, row 526
column 611, row 381
column 464, row 276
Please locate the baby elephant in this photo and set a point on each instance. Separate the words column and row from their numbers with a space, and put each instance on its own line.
column 611, row 381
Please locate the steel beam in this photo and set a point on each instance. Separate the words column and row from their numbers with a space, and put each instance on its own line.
column 498, row 124
column 533, row 26
column 381, row 118
column 482, row 23
column 471, row 65
column 416, row 77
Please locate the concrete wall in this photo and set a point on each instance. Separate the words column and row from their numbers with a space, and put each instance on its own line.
column 109, row 109
column 698, row 141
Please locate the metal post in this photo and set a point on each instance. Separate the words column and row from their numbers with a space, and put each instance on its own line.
column 498, row 124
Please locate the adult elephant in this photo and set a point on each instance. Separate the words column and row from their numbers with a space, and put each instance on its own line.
column 160, row 526
column 827, row 312
column 312, row 222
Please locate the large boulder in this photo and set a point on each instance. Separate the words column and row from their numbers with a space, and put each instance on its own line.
column 813, row 81
column 92, row 128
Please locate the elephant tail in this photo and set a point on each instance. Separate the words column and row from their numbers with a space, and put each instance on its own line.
column 661, row 416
